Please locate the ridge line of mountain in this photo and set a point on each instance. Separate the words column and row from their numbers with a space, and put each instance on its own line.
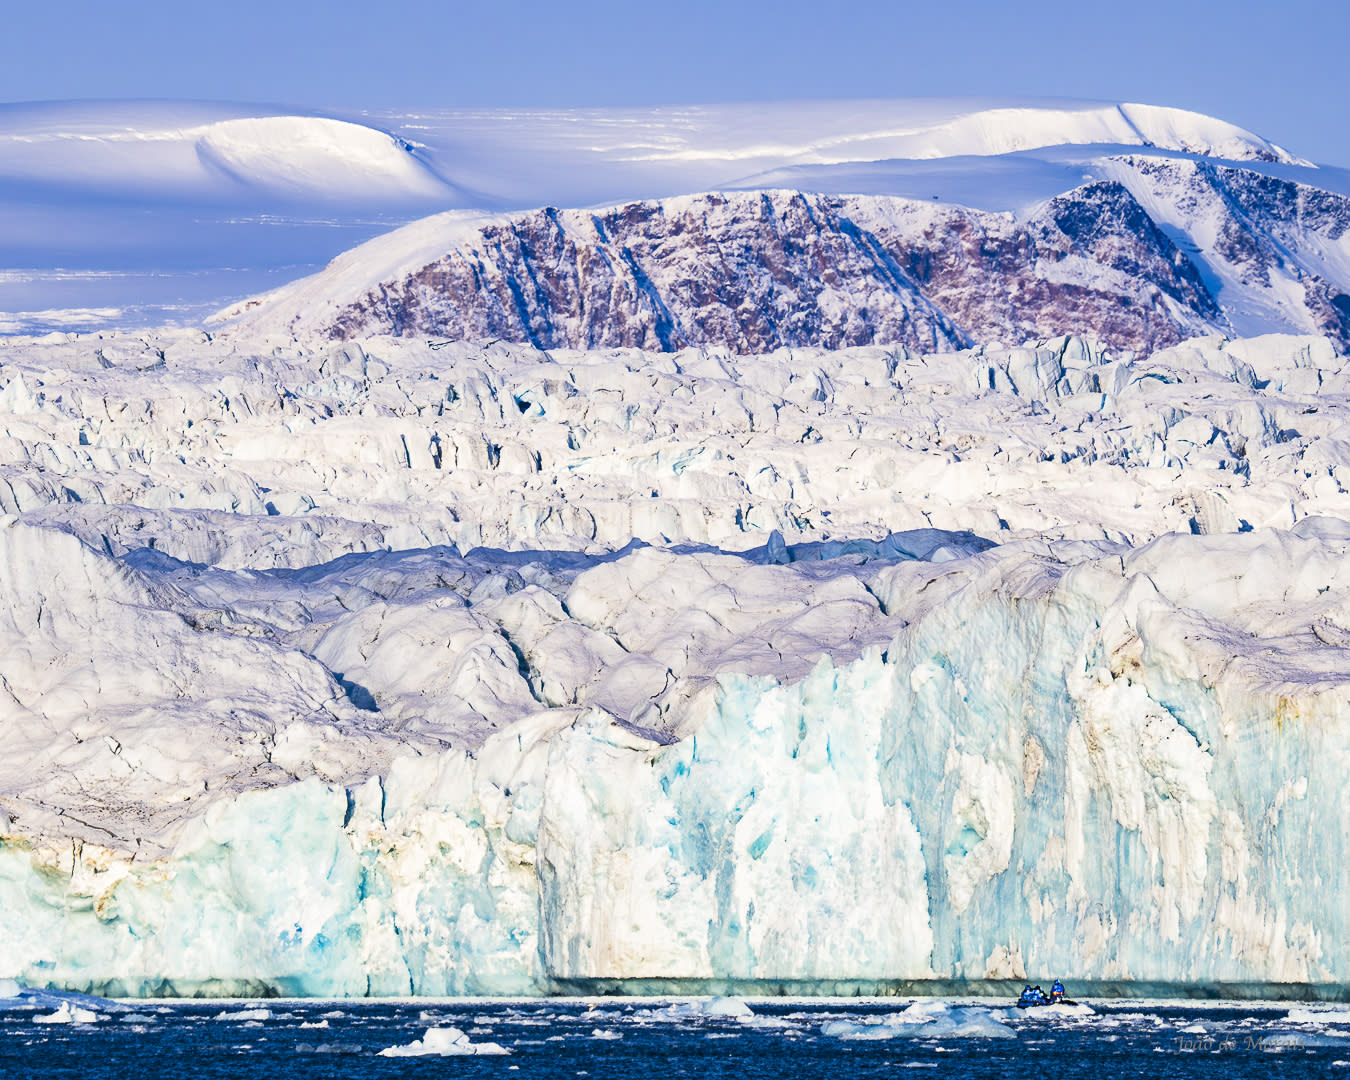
column 1156, row 252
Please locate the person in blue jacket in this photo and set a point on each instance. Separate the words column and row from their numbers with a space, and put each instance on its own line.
column 1057, row 991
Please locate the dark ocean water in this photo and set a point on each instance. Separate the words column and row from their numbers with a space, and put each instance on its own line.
column 625, row 1039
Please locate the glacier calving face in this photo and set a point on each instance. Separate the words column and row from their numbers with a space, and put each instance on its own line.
column 1082, row 759
column 1072, row 751
column 398, row 669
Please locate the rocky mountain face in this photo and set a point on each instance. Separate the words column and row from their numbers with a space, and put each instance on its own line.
column 1271, row 249
column 1160, row 251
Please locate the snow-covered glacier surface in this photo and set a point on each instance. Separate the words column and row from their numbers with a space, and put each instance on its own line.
column 409, row 668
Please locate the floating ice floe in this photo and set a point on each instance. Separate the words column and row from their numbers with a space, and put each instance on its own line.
column 245, row 1015
column 925, row 1020
column 758, row 1021
column 728, row 1008
column 68, row 1014
column 1320, row 1016
column 1062, row 1010
column 700, row 1007
column 445, row 1042
column 16, row 996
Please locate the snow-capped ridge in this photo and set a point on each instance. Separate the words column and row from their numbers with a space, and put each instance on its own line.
column 316, row 156
column 209, row 153
column 1195, row 133
column 241, row 197
column 1012, row 129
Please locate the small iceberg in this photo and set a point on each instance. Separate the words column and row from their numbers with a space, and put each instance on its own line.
column 726, row 1006
column 245, row 1014
column 443, row 1042
column 68, row 1014
column 731, row 1007
column 925, row 1020
column 1320, row 1016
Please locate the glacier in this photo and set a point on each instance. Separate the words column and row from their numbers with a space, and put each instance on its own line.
column 405, row 667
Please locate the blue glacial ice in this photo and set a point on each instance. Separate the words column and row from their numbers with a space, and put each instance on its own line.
column 1102, row 762
column 1094, row 728
column 926, row 1020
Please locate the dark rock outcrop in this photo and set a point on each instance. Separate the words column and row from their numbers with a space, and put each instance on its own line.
column 757, row 271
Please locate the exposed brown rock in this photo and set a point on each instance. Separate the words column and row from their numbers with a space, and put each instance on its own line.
column 761, row 270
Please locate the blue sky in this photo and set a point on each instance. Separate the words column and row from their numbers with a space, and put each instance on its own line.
column 1278, row 69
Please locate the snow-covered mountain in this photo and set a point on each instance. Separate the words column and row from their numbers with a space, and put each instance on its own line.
column 141, row 213
column 1163, row 250
column 764, row 270
column 205, row 154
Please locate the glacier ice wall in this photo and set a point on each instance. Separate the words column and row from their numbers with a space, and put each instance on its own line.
column 1073, row 758
column 762, row 846
column 1061, row 768
column 394, row 888
column 393, row 668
